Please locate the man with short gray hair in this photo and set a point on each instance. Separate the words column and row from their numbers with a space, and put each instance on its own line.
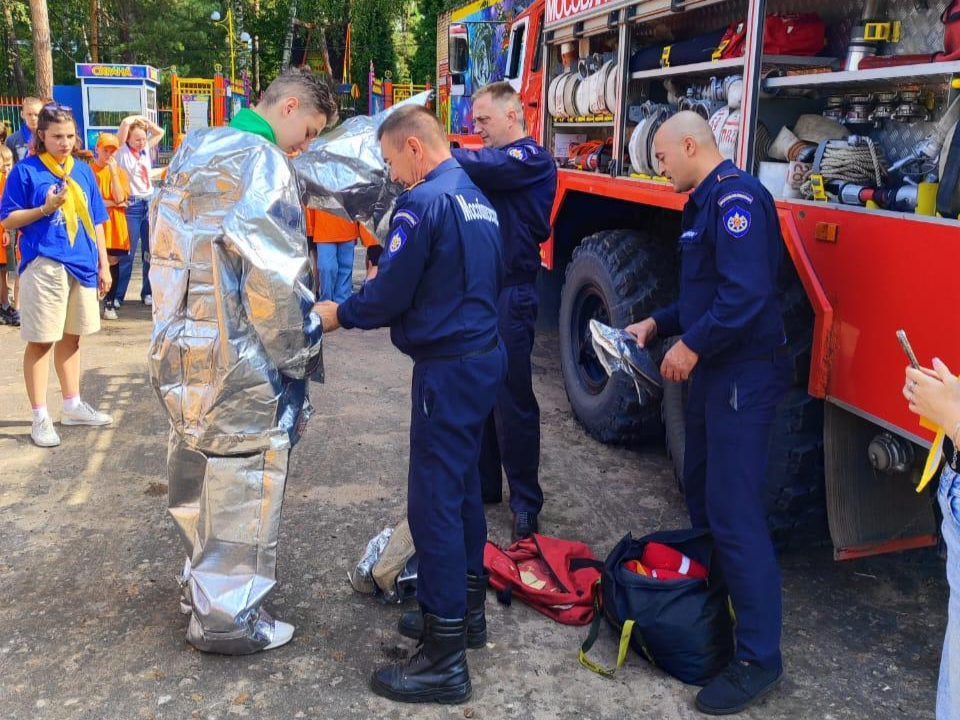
column 437, row 289
column 520, row 179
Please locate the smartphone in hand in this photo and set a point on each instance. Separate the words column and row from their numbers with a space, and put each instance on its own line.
column 908, row 351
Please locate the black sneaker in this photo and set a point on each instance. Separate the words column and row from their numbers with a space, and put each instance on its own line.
column 738, row 687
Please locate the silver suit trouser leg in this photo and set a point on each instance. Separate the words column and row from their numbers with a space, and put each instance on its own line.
column 227, row 509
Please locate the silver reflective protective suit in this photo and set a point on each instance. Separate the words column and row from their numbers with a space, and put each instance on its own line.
column 233, row 343
column 343, row 172
column 618, row 350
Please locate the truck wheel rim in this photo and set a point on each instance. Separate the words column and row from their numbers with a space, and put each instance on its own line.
column 589, row 304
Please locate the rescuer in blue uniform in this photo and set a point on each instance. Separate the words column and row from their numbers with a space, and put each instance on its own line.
column 437, row 289
column 731, row 344
column 520, row 179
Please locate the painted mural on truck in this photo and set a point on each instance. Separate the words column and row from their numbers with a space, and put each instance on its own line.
column 487, row 26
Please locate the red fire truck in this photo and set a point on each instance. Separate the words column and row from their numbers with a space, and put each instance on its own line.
column 845, row 130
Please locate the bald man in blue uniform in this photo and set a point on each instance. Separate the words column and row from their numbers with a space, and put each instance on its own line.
column 731, row 340
column 520, row 179
column 437, row 289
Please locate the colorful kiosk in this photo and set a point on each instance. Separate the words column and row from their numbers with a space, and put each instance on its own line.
column 112, row 92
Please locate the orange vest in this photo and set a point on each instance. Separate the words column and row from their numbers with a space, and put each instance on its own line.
column 115, row 230
column 324, row 227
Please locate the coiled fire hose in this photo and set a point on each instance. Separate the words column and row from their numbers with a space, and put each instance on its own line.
column 855, row 160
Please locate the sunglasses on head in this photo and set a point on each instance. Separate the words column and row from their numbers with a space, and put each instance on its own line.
column 57, row 107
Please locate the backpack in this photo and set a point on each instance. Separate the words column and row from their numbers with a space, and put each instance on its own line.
column 551, row 575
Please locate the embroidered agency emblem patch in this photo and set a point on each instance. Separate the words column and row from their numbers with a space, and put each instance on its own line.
column 737, row 221
column 397, row 241
column 517, row 153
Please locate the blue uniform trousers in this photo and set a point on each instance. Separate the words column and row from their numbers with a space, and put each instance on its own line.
column 730, row 411
column 335, row 267
column 512, row 432
column 138, row 225
column 450, row 398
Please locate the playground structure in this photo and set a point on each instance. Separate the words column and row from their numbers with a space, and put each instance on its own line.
column 205, row 102
column 384, row 92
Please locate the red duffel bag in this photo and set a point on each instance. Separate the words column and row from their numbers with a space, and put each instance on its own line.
column 551, row 575
column 802, row 34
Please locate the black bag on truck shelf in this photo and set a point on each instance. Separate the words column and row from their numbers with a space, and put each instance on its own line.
column 684, row 52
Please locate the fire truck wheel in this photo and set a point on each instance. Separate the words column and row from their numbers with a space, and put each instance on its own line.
column 617, row 277
column 794, row 495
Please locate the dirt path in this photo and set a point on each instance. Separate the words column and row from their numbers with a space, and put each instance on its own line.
column 91, row 627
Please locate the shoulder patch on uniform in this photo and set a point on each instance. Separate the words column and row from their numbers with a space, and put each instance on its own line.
column 407, row 216
column 517, row 153
column 736, row 195
column 737, row 221
column 397, row 240
column 728, row 175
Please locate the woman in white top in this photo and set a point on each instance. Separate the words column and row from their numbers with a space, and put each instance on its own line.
column 138, row 136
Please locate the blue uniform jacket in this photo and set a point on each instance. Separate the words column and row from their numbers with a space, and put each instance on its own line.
column 520, row 179
column 730, row 250
column 441, row 271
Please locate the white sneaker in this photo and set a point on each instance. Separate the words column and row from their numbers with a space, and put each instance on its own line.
column 148, row 300
column 109, row 313
column 84, row 415
column 43, row 434
column 282, row 634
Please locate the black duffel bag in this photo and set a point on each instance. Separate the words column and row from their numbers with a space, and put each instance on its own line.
column 684, row 627
column 683, row 52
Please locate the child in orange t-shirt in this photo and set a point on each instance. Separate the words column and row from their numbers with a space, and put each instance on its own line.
column 114, row 185
column 335, row 238
column 9, row 315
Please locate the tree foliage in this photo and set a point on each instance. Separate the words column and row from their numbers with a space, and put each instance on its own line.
column 168, row 33
column 424, row 63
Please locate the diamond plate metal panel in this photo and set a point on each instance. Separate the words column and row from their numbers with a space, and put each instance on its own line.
column 689, row 23
column 897, row 139
column 922, row 29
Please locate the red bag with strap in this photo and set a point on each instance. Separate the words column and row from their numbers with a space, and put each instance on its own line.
column 951, row 33
column 551, row 575
column 802, row 34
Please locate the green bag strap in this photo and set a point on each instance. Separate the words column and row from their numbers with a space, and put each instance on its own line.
column 625, row 633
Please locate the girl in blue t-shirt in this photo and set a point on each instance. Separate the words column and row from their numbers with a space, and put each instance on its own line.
column 55, row 203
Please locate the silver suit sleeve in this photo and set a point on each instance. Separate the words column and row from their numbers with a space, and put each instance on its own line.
column 343, row 172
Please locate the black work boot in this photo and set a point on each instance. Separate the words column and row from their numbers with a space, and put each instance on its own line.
column 524, row 525
column 436, row 673
column 411, row 622
column 737, row 687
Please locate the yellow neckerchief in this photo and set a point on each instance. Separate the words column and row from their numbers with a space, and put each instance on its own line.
column 935, row 456
column 76, row 202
